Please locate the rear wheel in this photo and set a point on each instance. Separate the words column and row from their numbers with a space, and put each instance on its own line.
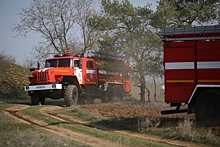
column 71, row 95
column 118, row 93
column 108, row 95
column 207, row 108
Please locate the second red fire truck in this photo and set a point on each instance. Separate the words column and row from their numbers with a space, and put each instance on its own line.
column 192, row 71
column 79, row 79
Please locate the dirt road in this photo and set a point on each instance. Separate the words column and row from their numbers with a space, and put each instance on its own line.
column 106, row 110
column 16, row 113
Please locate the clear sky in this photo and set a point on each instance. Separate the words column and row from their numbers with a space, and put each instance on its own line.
column 19, row 46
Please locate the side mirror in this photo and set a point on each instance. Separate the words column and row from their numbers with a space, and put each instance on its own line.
column 32, row 69
column 38, row 65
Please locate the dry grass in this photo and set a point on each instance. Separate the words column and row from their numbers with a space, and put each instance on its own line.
column 185, row 128
column 144, row 123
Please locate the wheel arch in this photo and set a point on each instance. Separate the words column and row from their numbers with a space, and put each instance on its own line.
column 197, row 91
column 113, row 84
column 71, row 80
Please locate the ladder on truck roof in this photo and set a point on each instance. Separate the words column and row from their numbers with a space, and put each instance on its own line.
column 167, row 34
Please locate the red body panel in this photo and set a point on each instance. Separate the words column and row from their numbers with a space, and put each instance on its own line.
column 179, row 51
column 180, row 76
column 208, row 50
column 208, row 55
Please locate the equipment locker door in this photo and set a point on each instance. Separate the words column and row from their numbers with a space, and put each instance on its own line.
column 208, row 62
column 91, row 72
column 180, row 73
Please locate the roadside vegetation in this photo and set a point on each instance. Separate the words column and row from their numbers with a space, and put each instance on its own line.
column 13, row 78
column 185, row 131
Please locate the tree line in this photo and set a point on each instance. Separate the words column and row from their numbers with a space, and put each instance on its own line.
column 113, row 27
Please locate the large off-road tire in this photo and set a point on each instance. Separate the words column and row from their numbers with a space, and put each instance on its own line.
column 108, row 95
column 118, row 93
column 71, row 95
column 42, row 99
column 35, row 99
column 207, row 108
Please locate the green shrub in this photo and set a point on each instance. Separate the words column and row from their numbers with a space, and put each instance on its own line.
column 13, row 78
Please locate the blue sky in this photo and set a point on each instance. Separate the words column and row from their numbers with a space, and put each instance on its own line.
column 19, row 46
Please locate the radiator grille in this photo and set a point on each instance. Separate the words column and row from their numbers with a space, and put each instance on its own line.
column 41, row 76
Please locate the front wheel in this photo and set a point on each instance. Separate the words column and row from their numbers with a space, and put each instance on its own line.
column 35, row 99
column 207, row 108
column 71, row 95
column 42, row 99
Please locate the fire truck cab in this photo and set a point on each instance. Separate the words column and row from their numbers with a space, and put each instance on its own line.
column 192, row 71
column 79, row 79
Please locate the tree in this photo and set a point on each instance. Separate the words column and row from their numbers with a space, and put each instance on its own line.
column 174, row 13
column 84, row 11
column 145, row 54
column 6, row 58
column 125, row 32
column 57, row 21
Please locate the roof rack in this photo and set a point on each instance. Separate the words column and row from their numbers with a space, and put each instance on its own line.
column 190, row 30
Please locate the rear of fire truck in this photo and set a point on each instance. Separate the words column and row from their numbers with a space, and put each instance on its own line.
column 192, row 71
column 78, row 79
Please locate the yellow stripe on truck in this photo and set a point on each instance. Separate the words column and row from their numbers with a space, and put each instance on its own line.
column 61, row 70
column 212, row 81
column 179, row 81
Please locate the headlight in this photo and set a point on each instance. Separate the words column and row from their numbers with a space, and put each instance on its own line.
column 54, row 86
column 27, row 87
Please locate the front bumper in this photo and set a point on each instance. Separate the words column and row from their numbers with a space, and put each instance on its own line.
column 43, row 87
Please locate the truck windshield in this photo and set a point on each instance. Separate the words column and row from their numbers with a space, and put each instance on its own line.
column 57, row 63
column 64, row 62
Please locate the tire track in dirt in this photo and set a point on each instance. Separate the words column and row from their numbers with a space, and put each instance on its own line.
column 16, row 113
column 49, row 111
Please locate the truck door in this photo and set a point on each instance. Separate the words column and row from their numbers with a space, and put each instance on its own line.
column 180, row 70
column 77, row 70
column 91, row 72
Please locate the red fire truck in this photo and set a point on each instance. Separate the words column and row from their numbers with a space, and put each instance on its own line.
column 192, row 71
column 79, row 79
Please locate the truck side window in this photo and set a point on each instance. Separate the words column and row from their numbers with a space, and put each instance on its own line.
column 76, row 63
column 89, row 64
